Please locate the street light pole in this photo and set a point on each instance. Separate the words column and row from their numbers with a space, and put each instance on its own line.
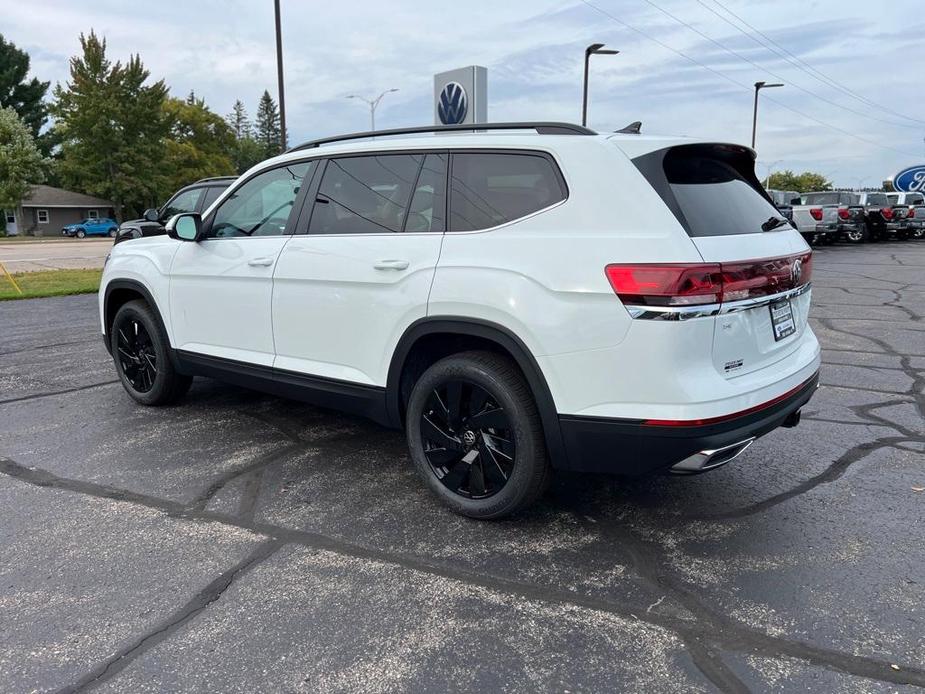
column 373, row 103
column 758, row 87
column 279, row 73
column 600, row 50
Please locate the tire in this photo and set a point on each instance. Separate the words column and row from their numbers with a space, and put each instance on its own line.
column 918, row 232
column 507, row 461
column 140, row 352
column 857, row 236
column 81, row 233
column 112, row 233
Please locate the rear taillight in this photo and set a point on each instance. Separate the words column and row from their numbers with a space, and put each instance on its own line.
column 911, row 214
column 843, row 213
column 711, row 283
column 886, row 212
column 816, row 212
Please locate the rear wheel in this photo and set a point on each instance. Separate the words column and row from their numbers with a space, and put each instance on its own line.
column 112, row 233
column 475, row 435
column 81, row 233
column 918, row 232
column 856, row 235
column 140, row 352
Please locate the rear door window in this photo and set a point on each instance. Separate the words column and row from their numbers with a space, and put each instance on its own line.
column 492, row 188
column 184, row 201
column 711, row 189
column 210, row 196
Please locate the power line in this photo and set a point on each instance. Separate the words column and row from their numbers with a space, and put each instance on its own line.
column 801, row 64
column 736, row 82
column 790, row 82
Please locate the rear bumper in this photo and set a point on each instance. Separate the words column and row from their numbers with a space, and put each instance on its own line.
column 632, row 447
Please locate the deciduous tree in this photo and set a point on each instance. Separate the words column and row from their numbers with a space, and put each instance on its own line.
column 112, row 127
column 199, row 144
column 21, row 163
column 805, row 182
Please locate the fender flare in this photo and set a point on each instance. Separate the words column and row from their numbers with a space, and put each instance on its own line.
column 504, row 338
column 136, row 286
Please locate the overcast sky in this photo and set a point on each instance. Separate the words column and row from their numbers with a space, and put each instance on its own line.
column 533, row 51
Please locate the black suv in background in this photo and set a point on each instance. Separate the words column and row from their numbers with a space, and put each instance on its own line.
column 196, row 197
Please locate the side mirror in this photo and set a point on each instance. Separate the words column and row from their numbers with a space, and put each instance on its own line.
column 186, row 226
column 795, row 201
column 151, row 215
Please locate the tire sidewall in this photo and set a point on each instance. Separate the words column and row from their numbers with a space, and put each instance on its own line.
column 81, row 233
column 519, row 414
column 135, row 310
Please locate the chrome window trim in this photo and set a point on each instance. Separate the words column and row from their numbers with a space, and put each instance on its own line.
column 677, row 313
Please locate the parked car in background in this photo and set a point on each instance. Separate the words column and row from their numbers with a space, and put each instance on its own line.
column 913, row 204
column 882, row 222
column 816, row 223
column 783, row 201
column 850, row 222
column 195, row 197
column 91, row 226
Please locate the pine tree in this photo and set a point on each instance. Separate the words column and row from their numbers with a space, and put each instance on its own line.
column 24, row 97
column 238, row 120
column 268, row 129
column 112, row 127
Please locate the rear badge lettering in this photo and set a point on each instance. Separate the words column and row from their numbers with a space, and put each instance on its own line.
column 733, row 365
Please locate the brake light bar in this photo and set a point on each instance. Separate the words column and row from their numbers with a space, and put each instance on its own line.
column 695, row 284
column 816, row 212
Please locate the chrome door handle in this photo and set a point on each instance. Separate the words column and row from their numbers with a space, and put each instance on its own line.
column 391, row 265
column 260, row 262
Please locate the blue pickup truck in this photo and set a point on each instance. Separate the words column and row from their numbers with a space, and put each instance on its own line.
column 91, row 227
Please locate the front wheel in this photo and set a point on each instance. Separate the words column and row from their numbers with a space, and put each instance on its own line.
column 81, row 233
column 475, row 435
column 140, row 352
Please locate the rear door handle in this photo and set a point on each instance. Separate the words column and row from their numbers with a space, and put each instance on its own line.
column 260, row 262
column 391, row 265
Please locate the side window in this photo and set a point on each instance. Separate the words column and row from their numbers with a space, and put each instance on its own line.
column 184, row 201
column 428, row 204
column 261, row 206
column 210, row 196
column 365, row 195
column 488, row 189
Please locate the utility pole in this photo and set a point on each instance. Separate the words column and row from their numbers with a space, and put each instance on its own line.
column 279, row 73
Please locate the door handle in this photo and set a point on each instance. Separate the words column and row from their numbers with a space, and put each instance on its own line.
column 260, row 262
column 391, row 265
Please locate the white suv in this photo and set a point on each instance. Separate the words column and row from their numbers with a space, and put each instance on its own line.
column 527, row 297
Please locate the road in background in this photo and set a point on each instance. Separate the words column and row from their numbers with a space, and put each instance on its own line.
column 242, row 542
column 57, row 254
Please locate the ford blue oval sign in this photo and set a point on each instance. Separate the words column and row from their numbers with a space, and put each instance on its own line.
column 453, row 104
column 911, row 180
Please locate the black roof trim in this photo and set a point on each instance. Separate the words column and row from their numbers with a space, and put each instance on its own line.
column 542, row 128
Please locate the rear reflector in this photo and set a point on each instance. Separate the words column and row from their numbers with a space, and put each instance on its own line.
column 843, row 213
column 708, row 283
column 727, row 417
column 816, row 212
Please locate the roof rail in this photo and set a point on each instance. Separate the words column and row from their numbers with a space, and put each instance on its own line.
column 542, row 128
column 214, row 178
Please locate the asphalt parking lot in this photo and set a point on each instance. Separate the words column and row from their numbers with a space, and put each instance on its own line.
column 240, row 542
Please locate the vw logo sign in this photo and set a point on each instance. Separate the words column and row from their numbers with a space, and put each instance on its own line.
column 453, row 104
column 796, row 271
column 911, row 180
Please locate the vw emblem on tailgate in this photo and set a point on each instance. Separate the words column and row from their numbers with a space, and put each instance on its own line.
column 453, row 104
column 796, row 271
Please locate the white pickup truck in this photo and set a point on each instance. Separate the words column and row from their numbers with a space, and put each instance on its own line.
column 817, row 223
column 911, row 207
column 851, row 225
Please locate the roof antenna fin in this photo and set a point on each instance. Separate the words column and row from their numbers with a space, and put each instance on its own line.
column 633, row 128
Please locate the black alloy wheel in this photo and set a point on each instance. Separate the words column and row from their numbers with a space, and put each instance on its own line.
column 468, row 439
column 136, row 354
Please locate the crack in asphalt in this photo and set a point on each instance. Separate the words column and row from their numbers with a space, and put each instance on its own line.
column 717, row 632
column 36, row 396
column 48, row 346
column 198, row 603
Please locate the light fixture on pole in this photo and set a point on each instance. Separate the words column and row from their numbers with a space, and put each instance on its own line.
column 373, row 103
column 758, row 87
column 769, row 167
column 594, row 48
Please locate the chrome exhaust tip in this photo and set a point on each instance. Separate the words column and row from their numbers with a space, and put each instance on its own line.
column 710, row 459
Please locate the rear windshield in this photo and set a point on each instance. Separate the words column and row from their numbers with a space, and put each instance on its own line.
column 711, row 189
column 822, row 199
column 915, row 199
column 893, row 197
column 877, row 199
